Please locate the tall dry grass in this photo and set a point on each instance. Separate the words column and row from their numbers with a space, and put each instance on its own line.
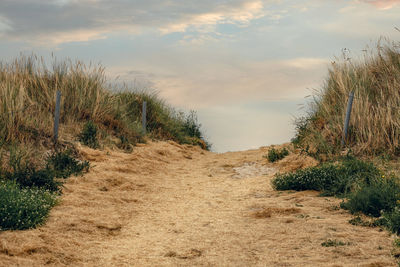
column 375, row 118
column 27, row 102
column 27, row 97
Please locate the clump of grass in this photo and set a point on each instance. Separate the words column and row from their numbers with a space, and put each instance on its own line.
column 333, row 243
column 63, row 164
column 374, row 198
column 88, row 136
column 58, row 165
column 392, row 220
column 276, row 154
column 369, row 222
column 374, row 124
column 23, row 208
column 28, row 176
column 333, row 178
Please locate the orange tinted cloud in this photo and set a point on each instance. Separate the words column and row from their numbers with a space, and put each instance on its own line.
column 383, row 4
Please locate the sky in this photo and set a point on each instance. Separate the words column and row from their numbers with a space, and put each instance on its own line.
column 245, row 66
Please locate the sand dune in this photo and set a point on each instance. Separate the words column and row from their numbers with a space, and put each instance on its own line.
column 171, row 205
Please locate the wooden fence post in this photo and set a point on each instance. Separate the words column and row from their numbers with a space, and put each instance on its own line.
column 57, row 116
column 144, row 116
column 347, row 120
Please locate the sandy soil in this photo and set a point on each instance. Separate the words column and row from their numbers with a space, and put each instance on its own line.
column 172, row 205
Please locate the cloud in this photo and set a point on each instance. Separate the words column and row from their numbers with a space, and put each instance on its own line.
column 241, row 14
column 383, row 4
column 57, row 38
column 62, row 21
column 364, row 21
column 215, row 83
column 5, row 25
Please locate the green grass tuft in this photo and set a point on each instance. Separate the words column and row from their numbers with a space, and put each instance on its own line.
column 373, row 198
column 63, row 164
column 88, row 136
column 276, row 154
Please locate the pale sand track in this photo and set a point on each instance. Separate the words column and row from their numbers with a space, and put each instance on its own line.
column 171, row 205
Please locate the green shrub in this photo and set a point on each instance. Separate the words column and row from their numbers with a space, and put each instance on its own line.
column 275, row 154
column 374, row 198
column 29, row 176
column 316, row 178
column 64, row 165
column 88, row 136
column 331, row 178
column 23, row 208
column 58, row 165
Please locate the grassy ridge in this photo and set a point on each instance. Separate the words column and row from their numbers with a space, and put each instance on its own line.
column 375, row 121
column 27, row 103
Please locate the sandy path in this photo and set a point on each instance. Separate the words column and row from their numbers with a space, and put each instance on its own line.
column 172, row 205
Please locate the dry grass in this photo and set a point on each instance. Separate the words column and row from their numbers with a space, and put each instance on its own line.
column 375, row 121
column 27, row 97
column 27, row 102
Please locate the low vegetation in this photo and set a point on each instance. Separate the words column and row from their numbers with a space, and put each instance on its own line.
column 23, row 208
column 88, row 136
column 364, row 189
column 27, row 193
column 332, row 178
column 276, row 154
column 333, row 243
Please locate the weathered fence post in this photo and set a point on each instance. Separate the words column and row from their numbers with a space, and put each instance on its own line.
column 144, row 116
column 57, row 116
column 347, row 120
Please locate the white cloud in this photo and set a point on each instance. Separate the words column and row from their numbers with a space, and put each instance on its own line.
column 98, row 18
column 205, row 22
column 57, row 38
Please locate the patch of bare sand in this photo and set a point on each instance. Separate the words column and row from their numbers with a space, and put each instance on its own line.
column 171, row 205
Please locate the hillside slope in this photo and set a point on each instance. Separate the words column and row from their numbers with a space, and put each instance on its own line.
column 168, row 204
